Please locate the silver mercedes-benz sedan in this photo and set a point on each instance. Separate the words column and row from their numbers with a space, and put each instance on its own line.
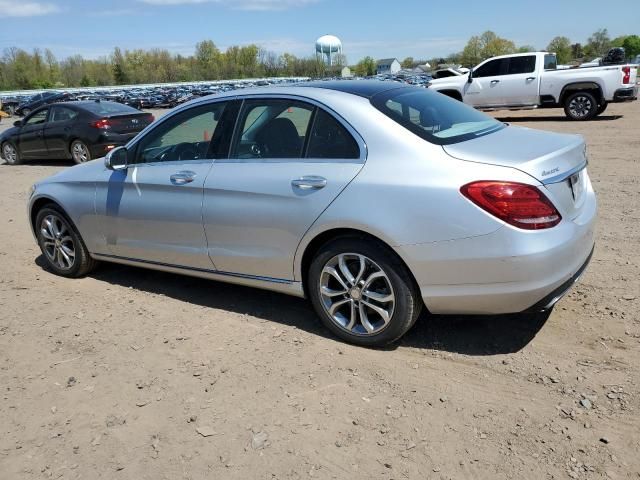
column 373, row 199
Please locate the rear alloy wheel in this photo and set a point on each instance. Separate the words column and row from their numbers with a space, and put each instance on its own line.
column 10, row 153
column 80, row 152
column 61, row 245
column 362, row 292
column 580, row 106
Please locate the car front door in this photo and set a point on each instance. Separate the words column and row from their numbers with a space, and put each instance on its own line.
column 289, row 160
column 58, row 130
column 31, row 137
column 520, row 86
column 153, row 209
column 486, row 88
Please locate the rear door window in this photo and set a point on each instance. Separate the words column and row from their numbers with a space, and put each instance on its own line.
column 62, row 114
column 272, row 128
column 550, row 62
column 330, row 139
column 525, row 64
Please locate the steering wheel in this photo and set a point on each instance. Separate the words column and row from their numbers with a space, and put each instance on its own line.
column 185, row 151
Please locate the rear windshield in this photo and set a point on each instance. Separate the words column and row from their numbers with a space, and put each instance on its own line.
column 108, row 108
column 433, row 116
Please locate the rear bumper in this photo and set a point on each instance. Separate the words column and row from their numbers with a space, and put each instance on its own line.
column 507, row 271
column 625, row 94
column 109, row 141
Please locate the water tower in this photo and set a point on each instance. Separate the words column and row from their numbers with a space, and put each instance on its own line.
column 328, row 47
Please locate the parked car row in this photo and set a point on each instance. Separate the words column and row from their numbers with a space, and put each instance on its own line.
column 164, row 96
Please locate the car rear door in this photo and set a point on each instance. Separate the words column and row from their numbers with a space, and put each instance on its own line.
column 31, row 137
column 289, row 160
column 59, row 130
column 153, row 209
column 520, row 85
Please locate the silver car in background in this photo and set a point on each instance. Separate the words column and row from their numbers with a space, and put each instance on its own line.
column 373, row 199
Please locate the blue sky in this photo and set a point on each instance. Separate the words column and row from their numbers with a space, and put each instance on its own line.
column 417, row 28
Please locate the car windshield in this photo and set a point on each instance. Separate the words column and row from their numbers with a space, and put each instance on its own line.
column 108, row 108
column 433, row 116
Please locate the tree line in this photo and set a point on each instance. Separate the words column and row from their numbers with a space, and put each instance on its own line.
column 39, row 68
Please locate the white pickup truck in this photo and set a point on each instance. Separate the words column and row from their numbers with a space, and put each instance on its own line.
column 531, row 80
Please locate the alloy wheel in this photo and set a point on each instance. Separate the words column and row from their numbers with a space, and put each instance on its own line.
column 580, row 106
column 80, row 152
column 57, row 242
column 357, row 294
column 9, row 153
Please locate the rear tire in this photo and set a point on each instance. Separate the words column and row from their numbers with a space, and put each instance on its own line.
column 580, row 106
column 10, row 153
column 80, row 153
column 363, row 292
column 62, row 247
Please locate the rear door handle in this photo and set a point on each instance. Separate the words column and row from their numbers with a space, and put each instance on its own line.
column 493, row 82
column 309, row 182
column 530, row 79
column 183, row 177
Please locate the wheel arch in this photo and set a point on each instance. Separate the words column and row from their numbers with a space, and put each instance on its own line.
column 592, row 87
column 314, row 243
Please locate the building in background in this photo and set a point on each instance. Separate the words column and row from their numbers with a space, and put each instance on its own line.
column 388, row 65
column 328, row 47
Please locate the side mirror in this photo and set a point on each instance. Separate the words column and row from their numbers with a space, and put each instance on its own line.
column 116, row 159
column 470, row 79
column 17, row 123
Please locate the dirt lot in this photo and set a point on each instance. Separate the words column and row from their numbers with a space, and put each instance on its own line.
column 131, row 374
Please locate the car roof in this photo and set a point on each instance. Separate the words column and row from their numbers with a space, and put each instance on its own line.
column 362, row 88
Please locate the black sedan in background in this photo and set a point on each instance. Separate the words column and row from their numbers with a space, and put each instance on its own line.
column 77, row 130
column 40, row 99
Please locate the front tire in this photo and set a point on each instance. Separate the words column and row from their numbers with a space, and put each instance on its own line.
column 10, row 153
column 62, row 247
column 80, row 153
column 363, row 292
column 580, row 106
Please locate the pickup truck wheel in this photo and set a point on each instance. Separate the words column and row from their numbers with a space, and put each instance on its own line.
column 580, row 106
column 602, row 108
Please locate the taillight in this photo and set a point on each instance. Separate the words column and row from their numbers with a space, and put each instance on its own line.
column 523, row 206
column 626, row 78
column 103, row 123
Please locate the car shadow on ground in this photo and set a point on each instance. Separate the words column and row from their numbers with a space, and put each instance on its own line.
column 42, row 163
column 558, row 118
column 471, row 335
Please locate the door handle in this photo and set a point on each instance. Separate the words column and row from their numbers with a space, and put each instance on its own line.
column 493, row 82
column 530, row 79
column 183, row 177
column 309, row 182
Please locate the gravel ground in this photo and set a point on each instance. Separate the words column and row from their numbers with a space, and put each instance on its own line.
column 133, row 374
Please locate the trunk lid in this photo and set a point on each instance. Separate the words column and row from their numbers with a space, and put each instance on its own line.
column 129, row 122
column 556, row 160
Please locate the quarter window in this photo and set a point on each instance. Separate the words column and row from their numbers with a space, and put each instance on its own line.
column 550, row 62
column 272, row 128
column 329, row 139
column 187, row 136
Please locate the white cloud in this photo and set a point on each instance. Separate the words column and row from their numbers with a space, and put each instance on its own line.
column 259, row 5
column 12, row 8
